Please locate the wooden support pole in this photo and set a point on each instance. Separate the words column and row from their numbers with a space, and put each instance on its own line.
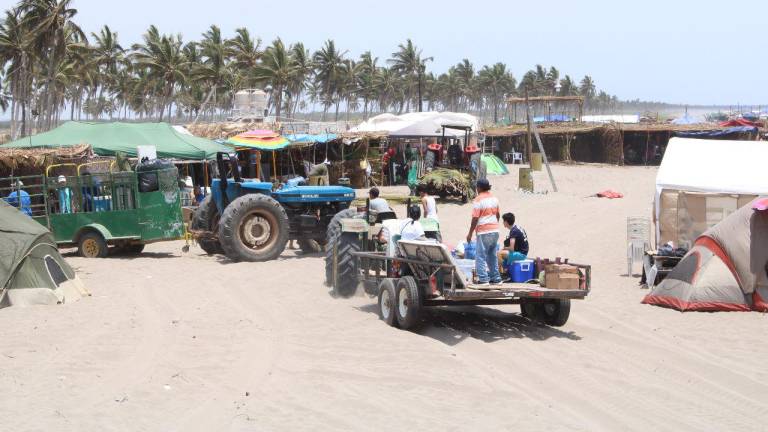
column 529, row 121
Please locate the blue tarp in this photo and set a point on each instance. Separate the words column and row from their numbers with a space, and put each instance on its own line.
column 717, row 133
column 311, row 138
column 552, row 118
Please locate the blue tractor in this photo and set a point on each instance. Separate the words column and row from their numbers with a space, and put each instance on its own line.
column 250, row 220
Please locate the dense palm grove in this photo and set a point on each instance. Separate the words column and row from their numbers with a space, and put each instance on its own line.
column 52, row 71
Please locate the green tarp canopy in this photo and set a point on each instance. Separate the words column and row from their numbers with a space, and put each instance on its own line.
column 494, row 165
column 106, row 139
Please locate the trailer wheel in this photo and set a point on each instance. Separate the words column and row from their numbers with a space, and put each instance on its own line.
column 92, row 245
column 530, row 308
column 408, row 308
column 346, row 265
column 556, row 312
column 332, row 236
column 253, row 227
column 206, row 218
column 387, row 302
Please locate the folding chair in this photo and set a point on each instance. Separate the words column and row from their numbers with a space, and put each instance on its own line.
column 638, row 235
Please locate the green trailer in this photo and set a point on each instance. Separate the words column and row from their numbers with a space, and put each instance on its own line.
column 95, row 210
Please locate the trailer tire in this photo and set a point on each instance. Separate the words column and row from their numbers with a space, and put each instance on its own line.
column 331, row 238
column 253, row 228
column 555, row 312
column 206, row 218
column 408, row 305
column 346, row 282
column 530, row 308
column 388, row 302
column 92, row 245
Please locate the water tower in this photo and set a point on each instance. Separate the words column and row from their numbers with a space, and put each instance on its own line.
column 249, row 105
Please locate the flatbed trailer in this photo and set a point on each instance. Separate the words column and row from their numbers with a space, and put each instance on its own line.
column 424, row 275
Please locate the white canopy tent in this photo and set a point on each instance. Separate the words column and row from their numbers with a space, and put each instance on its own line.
column 700, row 182
column 424, row 124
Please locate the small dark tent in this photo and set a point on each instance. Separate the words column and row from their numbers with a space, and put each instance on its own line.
column 32, row 271
column 726, row 270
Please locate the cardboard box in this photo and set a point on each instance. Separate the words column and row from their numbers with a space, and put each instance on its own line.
column 564, row 281
column 560, row 268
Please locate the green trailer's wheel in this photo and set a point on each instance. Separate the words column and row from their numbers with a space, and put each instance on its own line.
column 408, row 302
column 253, row 228
column 388, row 302
column 92, row 245
column 206, row 218
column 331, row 239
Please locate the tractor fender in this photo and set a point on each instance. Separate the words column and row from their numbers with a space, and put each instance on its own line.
column 94, row 227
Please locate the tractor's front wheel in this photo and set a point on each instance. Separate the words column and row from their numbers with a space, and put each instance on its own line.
column 346, row 277
column 333, row 232
column 253, row 228
column 206, row 218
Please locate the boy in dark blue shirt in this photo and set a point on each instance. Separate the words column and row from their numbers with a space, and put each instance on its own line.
column 516, row 242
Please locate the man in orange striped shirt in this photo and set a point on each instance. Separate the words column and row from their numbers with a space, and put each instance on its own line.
column 485, row 223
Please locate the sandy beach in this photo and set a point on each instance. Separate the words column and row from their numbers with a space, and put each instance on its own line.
column 186, row 342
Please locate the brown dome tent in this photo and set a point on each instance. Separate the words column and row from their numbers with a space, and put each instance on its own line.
column 726, row 270
column 31, row 269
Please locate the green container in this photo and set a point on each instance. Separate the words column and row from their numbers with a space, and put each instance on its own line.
column 536, row 161
column 526, row 180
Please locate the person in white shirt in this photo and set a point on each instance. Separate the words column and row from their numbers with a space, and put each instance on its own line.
column 411, row 228
column 379, row 205
column 428, row 203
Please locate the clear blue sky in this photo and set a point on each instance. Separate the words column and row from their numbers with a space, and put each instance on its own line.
column 696, row 52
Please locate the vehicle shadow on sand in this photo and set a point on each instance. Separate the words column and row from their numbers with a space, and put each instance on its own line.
column 455, row 324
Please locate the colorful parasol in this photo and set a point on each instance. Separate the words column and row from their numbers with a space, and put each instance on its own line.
column 259, row 139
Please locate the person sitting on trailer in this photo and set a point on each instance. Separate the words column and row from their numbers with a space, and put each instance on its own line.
column 411, row 228
column 427, row 202
column 516, row 244
column 377, row 204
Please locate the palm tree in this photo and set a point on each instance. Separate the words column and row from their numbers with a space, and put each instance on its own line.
column 166, row 64
column 276, row 69
column 328, row 64
column 302, row 65
column 108, row 55
column 15, row 51
column 587, row 88
column 366, row 80
column 50, row 23
column 408, row 63
column 496, row 82
column 244, row 51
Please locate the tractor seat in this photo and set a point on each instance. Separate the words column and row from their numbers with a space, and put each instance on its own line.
column 381, row 217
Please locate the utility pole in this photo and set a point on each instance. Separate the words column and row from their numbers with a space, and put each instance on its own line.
column 528, row 141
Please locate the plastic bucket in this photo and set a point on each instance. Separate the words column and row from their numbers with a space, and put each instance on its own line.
column 469, row 251
column 521, row 271
column 467, row 266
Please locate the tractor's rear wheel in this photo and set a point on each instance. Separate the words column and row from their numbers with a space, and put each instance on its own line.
column 206, row 218
column 332, row 236
column 253, row 227
column 346, row 279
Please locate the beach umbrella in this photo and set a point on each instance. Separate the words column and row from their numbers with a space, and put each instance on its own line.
column 258, row 140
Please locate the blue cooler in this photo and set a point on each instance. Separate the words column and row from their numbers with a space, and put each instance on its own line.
column 521, row 271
